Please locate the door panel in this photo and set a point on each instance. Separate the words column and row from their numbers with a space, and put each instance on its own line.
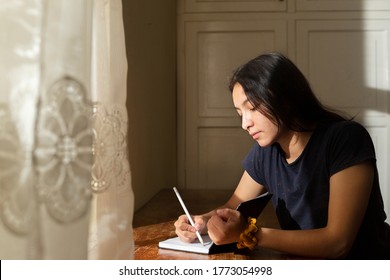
column 346, row 63
column 347, row 5
column 234, row 5
column 220, row 153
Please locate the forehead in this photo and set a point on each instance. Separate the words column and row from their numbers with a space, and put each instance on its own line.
column 238, row 95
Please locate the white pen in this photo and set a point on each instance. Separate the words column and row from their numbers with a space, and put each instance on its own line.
column 187, row 214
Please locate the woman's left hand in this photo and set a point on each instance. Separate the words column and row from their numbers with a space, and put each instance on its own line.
column 226, row 226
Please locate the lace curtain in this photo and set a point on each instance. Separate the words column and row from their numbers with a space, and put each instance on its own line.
column 65, row 184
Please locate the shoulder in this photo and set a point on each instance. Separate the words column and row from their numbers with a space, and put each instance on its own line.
column 347, row 130
column 346, row 125
column 347, row 143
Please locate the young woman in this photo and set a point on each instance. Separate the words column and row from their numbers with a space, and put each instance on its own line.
column 319, row 166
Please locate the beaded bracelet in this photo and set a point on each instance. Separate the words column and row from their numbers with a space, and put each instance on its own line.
column 247, row 237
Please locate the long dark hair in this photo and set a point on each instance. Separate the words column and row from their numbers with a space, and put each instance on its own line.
column 279, row 90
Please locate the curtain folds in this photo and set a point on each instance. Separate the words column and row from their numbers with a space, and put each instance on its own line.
column 65, row 181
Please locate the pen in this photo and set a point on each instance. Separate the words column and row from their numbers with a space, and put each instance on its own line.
column 187, row 214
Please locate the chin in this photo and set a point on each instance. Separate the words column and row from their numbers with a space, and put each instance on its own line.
column 264, row 144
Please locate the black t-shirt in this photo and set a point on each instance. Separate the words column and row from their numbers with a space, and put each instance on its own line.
column 301, row 189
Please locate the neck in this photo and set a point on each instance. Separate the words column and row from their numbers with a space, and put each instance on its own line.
column 293, row 143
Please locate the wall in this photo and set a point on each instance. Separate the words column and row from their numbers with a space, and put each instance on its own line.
column 150, row 27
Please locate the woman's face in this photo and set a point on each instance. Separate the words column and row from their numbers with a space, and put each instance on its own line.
column 259, row 127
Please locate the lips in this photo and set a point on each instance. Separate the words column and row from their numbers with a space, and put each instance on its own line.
column 255, row 135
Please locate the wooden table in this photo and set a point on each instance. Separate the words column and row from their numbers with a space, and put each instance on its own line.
column 146, row 240
column 152, row 225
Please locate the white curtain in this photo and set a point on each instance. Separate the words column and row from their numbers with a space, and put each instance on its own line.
column 65, row 182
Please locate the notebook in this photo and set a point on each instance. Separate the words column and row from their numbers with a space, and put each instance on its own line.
column 250, row 208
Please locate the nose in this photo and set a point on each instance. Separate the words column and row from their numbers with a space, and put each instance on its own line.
column 246, row 121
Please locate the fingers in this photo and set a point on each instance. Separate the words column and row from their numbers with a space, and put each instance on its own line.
column 226, row 214
column 225, row 227
column 216, row 230
column 182, row 223
column 185, row 231
column 200, row 224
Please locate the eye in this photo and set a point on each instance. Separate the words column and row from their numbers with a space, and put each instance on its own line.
column 252, row 108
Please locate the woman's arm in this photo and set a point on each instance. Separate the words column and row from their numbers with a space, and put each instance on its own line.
column 349, row 195
column 246, row 189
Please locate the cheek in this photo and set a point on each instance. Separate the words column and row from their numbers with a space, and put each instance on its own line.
column 275, row 130
column 264, row 122
column 271, row 129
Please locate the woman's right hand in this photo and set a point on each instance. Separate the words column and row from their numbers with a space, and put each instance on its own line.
column 186, row 232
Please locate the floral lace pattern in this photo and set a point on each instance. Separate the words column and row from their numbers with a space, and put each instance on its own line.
column 109, row 126
column 63, row 151
column 79, row 149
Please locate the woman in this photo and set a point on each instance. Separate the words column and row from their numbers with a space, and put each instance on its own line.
column 319, row 166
